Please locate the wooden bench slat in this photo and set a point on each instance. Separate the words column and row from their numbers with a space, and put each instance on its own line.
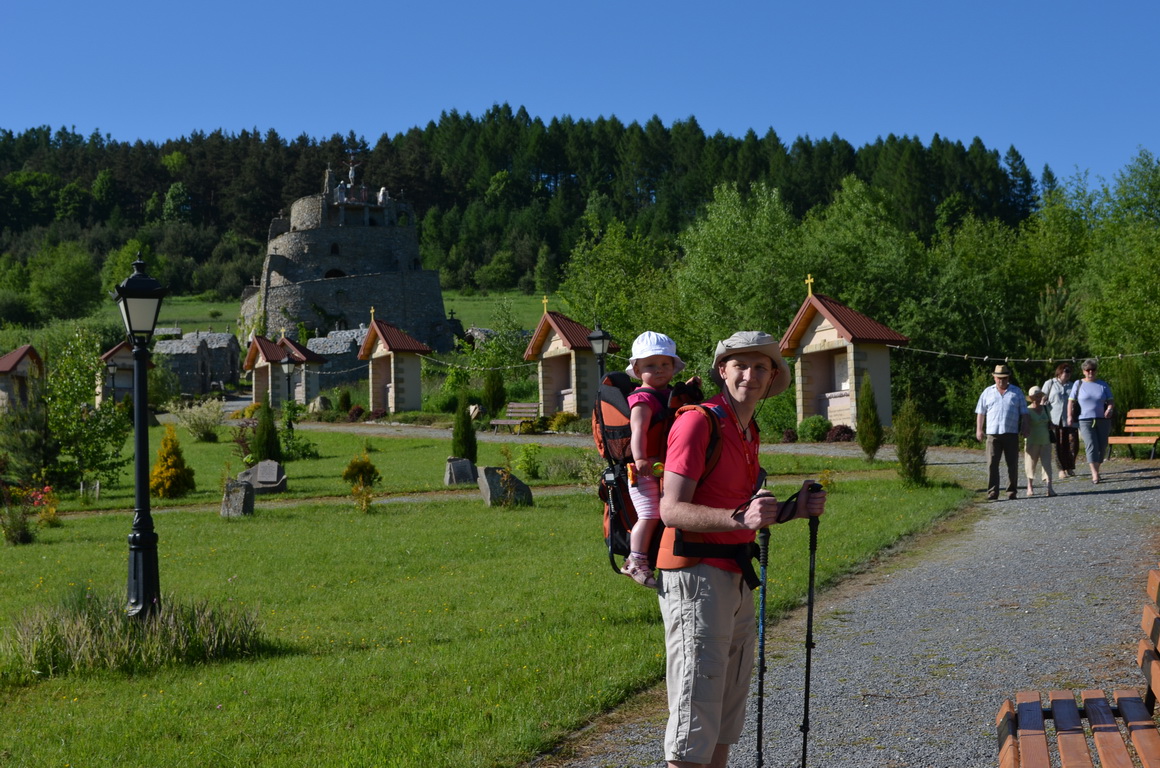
column 1141, row 727
column 1143, row 413
column 1070, row 736
column 1105, row 733
column 1008, row 745
column 1032, row 738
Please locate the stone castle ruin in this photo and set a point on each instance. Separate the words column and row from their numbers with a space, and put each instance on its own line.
column 338, row 254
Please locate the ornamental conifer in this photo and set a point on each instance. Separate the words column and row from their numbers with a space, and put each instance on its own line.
column 170, row 478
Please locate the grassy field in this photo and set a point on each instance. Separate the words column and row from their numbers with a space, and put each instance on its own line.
column 407, row 466
column 425, row 634
column 477, row 309
column 189, row 313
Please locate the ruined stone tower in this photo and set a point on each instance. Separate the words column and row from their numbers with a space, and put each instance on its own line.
column 337, row 255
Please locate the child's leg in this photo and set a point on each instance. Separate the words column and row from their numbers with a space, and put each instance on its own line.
column 1029, row 461
column 642, row 534
column 645, row 498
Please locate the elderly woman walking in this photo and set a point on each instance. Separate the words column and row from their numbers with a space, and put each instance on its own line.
column 1094, row 398
column 1063, row 435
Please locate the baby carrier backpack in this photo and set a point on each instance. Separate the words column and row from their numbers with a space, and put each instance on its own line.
column 613, row 437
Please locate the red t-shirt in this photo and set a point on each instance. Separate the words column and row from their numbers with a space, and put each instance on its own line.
column 732, row 481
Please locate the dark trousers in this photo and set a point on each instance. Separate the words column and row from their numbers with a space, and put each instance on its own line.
column 1000, row 447
column 1067, row 447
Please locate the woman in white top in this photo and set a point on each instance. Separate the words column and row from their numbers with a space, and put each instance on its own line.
column 1064, row 435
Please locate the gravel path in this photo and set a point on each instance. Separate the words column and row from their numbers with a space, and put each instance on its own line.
column 914, row 658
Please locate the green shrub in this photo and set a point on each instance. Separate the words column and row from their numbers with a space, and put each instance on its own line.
column 344, row 403
column 201, row 419
column 869, row 427
column 528, row 461
column 813, row 429
column 265, row 445
column 494, row 397
column 560, row 421
column 14, row 523
column 910, row 443
column 463, row 445
column 294, row 445
column 361, row 472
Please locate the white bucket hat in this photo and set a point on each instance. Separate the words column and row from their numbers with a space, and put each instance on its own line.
column 753, row 341
column 652, row 343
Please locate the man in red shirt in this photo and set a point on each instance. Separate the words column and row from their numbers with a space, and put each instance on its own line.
column 707, row 602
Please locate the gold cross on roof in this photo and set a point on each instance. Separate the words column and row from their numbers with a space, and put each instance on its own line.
column 545, row 303
column 809, row 285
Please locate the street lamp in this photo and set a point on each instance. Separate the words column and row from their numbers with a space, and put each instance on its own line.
column 139, row 299
column 111, row 367
column 600, row 340
column 288, row 369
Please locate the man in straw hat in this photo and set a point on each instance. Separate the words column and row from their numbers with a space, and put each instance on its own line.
column 706, row 601
column 1000, row 417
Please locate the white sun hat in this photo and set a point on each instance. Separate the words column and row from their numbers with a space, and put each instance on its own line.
column 652, row 343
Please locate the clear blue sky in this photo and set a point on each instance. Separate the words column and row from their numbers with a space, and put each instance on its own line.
column 1068, row 83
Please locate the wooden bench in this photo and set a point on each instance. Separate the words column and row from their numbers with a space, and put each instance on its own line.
column 1139, row 420
column 517, row 415
column 1121, row 729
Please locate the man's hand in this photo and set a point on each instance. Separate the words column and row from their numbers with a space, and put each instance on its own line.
column 808, row 503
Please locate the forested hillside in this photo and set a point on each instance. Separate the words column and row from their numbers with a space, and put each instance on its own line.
column 500, row 196
column 642, row 226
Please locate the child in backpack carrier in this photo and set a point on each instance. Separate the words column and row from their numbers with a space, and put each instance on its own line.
column 654, row 362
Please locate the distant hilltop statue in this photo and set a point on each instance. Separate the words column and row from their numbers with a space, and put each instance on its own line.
column 339, row 253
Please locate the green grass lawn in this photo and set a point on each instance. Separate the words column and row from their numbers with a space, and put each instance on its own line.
column 190, row 313
column 477, row 308
column 441, row 633
column 407, row 465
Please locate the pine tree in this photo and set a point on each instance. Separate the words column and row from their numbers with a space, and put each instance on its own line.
column 170, row 478
column 869, row 426
column 266, row 445
column 910, row 444
column 494, row 396
column 463, row 435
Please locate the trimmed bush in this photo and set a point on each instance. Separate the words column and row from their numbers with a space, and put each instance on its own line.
column 171, row 478
column 264, row 445
column 813, row 429
column 840, row 433
column 355, row 414
column 910, row 444
column 870, row 432
column 463, row 444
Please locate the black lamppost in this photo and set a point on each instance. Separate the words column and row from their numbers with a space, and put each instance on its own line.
column 139, row 299
column 600, row 339
column 287, row 366
column 111, row 367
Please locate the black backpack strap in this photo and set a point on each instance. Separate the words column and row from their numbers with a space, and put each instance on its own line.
column 742, row 554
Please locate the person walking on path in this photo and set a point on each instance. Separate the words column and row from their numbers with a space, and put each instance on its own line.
column 1093, row 397
column 1000, row 417
column 707, row 602
column 1064, row 435
column 1037, row 450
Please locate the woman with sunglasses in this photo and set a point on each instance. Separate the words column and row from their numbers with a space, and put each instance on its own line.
column 1094, row 399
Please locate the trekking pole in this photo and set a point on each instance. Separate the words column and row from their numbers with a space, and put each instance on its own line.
column 805, row 727
column 763, row 559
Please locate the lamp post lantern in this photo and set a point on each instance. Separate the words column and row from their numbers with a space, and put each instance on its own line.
column 287, row 365
column 139, row 299
column 600, row 340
